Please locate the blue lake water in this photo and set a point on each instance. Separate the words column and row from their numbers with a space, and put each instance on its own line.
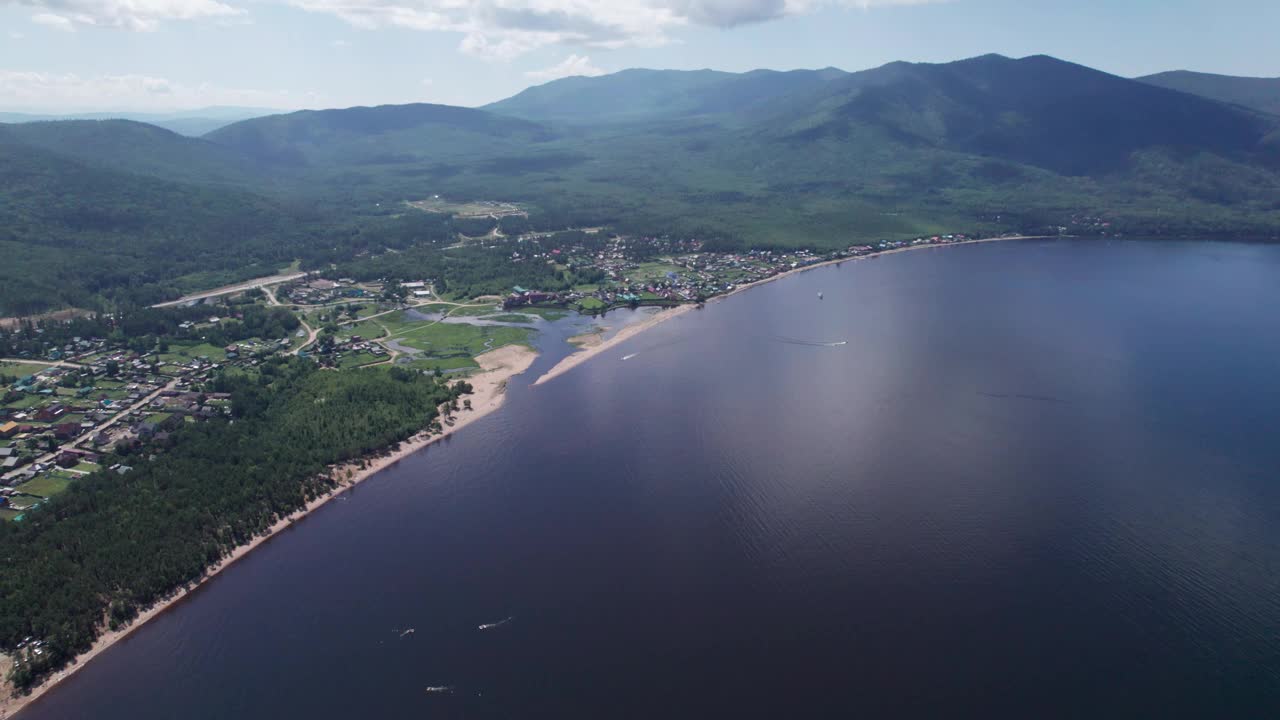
column 1042, row 479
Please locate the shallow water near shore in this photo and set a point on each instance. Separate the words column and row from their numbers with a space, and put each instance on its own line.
column 1041, row 479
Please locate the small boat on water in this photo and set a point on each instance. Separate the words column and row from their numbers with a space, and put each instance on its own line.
column 819, row 295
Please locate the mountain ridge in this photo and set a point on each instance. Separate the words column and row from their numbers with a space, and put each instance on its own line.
column 1258, row 93
column 815, row 158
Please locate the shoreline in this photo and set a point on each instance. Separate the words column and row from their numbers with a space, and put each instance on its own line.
column 590, row 349
column 489, row 390
column 587, row 351
column 488, row 393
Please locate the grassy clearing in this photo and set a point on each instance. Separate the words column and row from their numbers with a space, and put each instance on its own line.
column 21, row 369
column 367, row 330
column 476, row 208
column 87, row 467
column 27, row 401
column 8, row 515
column 456, row 338
column 651, row 272
column 589, row 303
column 22, row 503
column 450, row 346
column 359, row 359
column 546, row 313
column 183, row 353
column 46, row 485
column 475, row 311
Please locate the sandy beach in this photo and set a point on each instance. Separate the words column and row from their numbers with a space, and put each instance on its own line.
column 489, row 389
column 592, row 344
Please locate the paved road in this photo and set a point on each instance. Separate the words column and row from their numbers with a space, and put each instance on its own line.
column 50, row 457
column 229, row 289
column 60, row 363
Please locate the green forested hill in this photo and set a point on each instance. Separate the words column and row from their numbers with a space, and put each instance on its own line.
column 135, row 147
column 70, row 232
column 385, row 135
column 192, row 123
column 634, row 96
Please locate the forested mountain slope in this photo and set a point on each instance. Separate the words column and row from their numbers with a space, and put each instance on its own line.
column 1261, row 94
column 819, row 158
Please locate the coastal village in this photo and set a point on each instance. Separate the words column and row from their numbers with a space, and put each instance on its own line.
column 688, row 275
column 92, row 403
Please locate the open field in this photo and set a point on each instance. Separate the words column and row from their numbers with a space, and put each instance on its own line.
column 46, row 485
column 22, row 503
column 478, row 208
column 475, row 310
column 359, row 359
column 20, row 369
column 432, row 345
column 366, row 330
column 182, row 353
column 545, row 313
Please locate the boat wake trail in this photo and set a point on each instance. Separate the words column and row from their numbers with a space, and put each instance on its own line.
column 1022, row 396
column 809, row 343
column 494, row 625
column 628, row 357
column 440, row 690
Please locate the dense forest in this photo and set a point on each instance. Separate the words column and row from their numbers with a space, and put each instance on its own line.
column 114, row 544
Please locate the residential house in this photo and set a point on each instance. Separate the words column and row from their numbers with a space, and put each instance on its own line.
column 50, row 413
column 66, row 431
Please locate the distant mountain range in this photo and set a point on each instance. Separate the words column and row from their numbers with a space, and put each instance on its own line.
column 192, row 123
column 811, row 157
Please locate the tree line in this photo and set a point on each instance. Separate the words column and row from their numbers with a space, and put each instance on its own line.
column 112, row 545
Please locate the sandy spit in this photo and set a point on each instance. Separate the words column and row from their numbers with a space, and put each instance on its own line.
column 591, row 348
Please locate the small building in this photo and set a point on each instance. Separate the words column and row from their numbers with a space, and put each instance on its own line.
column 67, row 459
column 66, row 431
column 8, row 429
column 50, row 413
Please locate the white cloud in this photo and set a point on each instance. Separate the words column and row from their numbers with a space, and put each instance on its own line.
column 125, row 14
column 569, row 67
column 57, row 22
column 69, row 92
column 503, row 29
column 15, row 35
column 428, row 82
column 341, row 44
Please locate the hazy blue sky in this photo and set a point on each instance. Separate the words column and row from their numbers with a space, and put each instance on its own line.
column 172, row 54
